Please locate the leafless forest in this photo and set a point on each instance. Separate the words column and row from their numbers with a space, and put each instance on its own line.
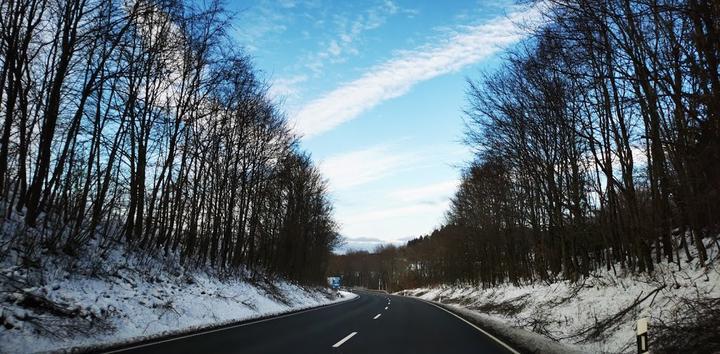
column 143, row 122
column 598, row 146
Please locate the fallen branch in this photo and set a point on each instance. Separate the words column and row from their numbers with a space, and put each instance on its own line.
column 593, row 332
column 31, row 300
column 694, row 327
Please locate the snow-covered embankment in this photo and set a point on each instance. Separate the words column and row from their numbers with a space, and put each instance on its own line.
column 596, row 314
column 109, row 295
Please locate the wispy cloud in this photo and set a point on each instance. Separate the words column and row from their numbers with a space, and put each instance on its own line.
column 427, row 194
column 393, row 223
column 288, row 4
column 262, row 21
column 368, row 244
column 355, row 168
column 283, row 88
column 395, row 213
column 396, row 76
column 350, row 28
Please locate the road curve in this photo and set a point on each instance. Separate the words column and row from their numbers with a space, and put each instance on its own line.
column 372, row 323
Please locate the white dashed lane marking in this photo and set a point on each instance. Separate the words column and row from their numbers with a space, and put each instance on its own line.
column 344, row 340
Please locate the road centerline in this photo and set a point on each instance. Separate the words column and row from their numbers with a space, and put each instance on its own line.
column 344, row 340
column 377, row 316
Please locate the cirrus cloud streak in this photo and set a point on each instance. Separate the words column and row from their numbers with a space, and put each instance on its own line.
column 398, row 75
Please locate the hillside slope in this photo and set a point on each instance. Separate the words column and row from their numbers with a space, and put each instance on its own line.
column 598, row 313
column 109, row 294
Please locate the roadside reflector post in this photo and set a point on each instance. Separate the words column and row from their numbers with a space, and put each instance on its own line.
column 642, row 339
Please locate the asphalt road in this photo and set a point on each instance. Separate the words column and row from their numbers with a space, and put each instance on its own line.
column 371, row 323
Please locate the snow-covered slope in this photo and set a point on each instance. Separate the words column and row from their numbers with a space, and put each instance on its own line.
column 110, row 295
column 596, row 314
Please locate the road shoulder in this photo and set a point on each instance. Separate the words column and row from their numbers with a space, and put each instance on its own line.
column 190, row 332
column 517, row 339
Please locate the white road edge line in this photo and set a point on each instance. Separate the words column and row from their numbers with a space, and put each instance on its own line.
column 230, row 327
column 344, row 340
column 476, row 327
column 377, row 316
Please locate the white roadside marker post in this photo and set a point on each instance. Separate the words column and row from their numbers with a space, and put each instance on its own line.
column 642, row 339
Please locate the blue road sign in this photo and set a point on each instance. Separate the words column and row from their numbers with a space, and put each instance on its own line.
column 334, row 282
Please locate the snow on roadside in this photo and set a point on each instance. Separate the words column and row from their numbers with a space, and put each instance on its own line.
column 521, row 339
column 133, row 310
column 109, row 295
column 565, row 312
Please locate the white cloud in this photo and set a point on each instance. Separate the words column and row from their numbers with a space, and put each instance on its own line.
column 263, row 22
column 396, row 76
column 288, row 4
column 395, row 213
column 393, row 223
column 334, row 48
column 285, row 87
column 349, row 30
column 430, row 193
column 368, row 244
column 351, row 169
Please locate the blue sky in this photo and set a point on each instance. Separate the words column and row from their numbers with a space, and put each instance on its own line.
column 377, row 90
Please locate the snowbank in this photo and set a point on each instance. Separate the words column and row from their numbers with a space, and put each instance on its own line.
column 521, row 339
column 570, row 312
column 109, row 295
column 128, row 309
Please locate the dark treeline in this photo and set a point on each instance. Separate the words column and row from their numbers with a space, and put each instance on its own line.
column 141, row 120
column 598, row 146
column 380, row 269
